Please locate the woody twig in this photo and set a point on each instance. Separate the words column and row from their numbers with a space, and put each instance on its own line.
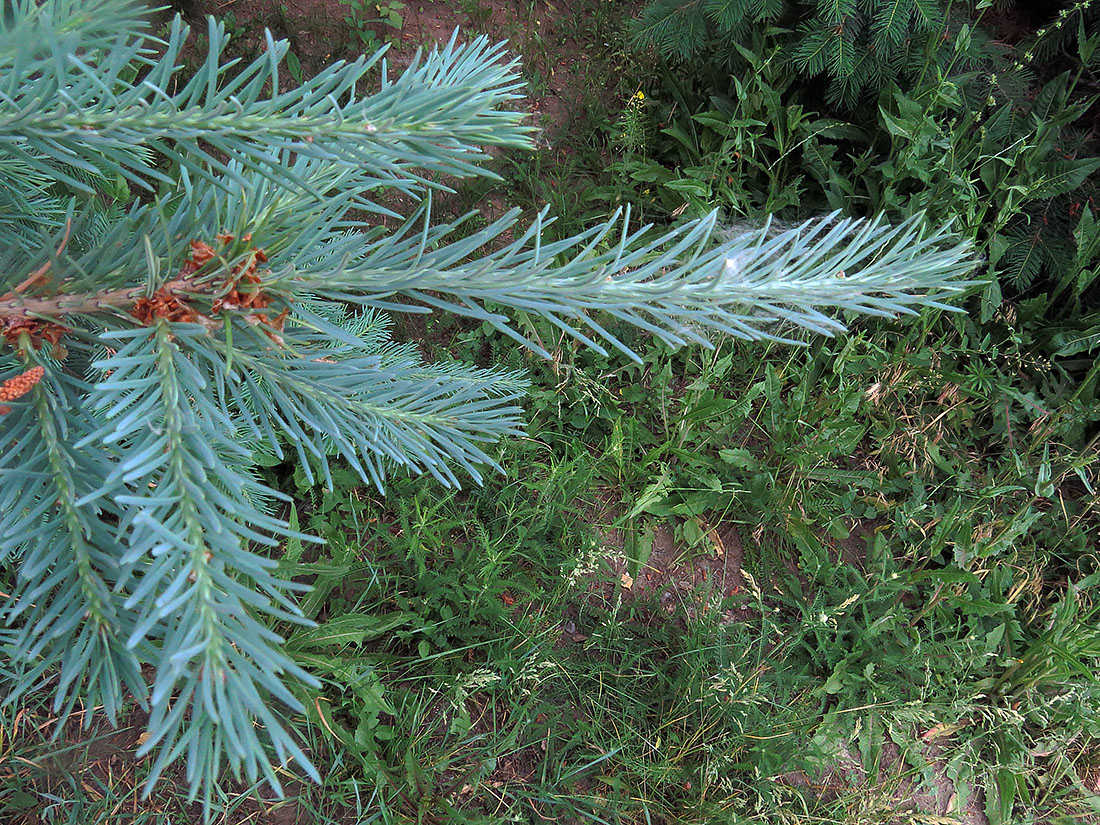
column 39, row 275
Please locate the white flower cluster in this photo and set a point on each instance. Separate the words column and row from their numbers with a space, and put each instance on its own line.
column 586, row 563
column 534, row 672
column 472, row 683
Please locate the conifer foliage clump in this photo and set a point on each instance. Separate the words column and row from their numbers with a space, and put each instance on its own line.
column 187, row 284
column 860, row 46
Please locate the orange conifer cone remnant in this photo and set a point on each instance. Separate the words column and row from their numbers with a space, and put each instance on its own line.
column 19, row 386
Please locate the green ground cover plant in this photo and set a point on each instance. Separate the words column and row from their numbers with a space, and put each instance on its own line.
column 850, row 582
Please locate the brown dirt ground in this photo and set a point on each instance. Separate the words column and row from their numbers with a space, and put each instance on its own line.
column 318, row 35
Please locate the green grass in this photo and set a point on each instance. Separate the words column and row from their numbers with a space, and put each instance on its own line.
column 902, row 585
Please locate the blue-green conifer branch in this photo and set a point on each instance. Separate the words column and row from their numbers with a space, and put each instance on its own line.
column 94, row 117
column 676, row 285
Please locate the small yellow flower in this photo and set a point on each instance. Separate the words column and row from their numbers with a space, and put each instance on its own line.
column 640, row 95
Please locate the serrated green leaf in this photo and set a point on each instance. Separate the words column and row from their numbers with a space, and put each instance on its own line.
column 348, row 629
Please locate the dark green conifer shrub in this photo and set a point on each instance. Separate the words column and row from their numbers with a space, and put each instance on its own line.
column 859, row 46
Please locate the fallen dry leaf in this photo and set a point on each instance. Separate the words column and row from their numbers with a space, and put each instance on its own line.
column 944, row 729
